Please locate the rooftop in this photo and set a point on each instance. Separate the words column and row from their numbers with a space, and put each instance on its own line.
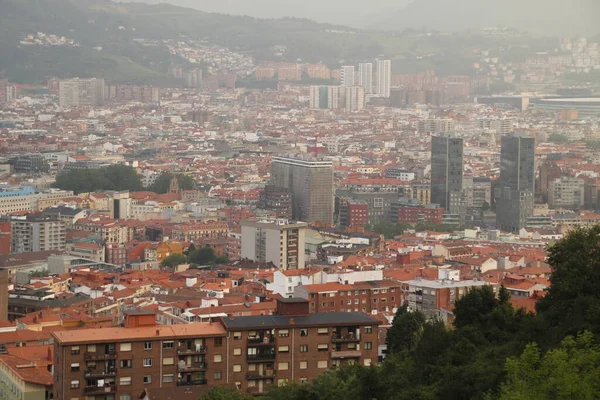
column 318, row 319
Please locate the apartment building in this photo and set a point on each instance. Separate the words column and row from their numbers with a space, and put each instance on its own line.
column 296, row 346
column 251, row 352
column 566, row 192
column 280, row 242
column 193, row 232
column 366, row 296
column 37, row 232
column 119, row 363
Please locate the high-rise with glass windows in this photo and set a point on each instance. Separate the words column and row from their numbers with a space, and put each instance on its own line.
column 514, row 194
column 384, row 78
column 311, row 183
column 446, row 169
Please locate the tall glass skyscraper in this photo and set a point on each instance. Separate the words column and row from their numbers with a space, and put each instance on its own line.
column 514, row 194
column 446, row 168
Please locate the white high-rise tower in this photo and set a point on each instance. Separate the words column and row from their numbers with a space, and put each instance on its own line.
column 384, row 77
column 365, row 77
column 347, row 75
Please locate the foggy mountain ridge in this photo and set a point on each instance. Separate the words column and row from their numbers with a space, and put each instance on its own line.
column 548, row 17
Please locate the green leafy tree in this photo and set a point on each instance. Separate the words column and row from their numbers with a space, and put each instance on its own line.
column 225, row 393
column 571, row 371
column 113, row 177
column 572, row 303
column 405, row 331
column 388, row 229
column 162, row 183
column 558, row 138
column 174, row 260
column 202, row 256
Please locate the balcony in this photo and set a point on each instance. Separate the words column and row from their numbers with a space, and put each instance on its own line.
column 90, row 373
column 347, row 338
column 192, row 368
column 191, row 383
column 260, row 375
column 261, row 341
column 346, row 354
column 101, row 356
column 97, row 390
column 261, row 357
column 192, row 350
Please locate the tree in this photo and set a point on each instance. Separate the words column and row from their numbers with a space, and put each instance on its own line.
column 388, row 229
column 162, row 183
column 113, row 177
column 225, row 393
column 202, row 256
column 174, row 260
column 571, row 371
column 405, row 331
column 190, row 249
column 558, row 138
column 572, row 303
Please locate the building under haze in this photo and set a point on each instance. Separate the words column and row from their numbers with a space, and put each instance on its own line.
column 81, row 92
column 365, row 77
column 446, row 168
column 311, row 183
column 384, row 78
column 347, row 75
column 514, row 194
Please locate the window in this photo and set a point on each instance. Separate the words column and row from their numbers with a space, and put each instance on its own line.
column 237, row 351
column 169, row 345
column 75, row 384
column 237, row 368
column 90, row 364
column 367, row 362
column 303, row 364
column 303, row 380
column 125, row 347
column 368, row 329
column 323, row 331
column 218, row 341
column 75, row 367
column 284, row 349
column 147, row 362
column 283, row 366
column 323, row 347
column 125, row 397
column 303, row 348
column 147, row 345
column 147, row 379
column 322, row 364
column 303, row 332
column 218, row 358
column 125, row 363
column 284, row 333
column 217, row 375
column 368, row 345
column 237, row 335
column 91, row 348
column 75, row 350
column 125, row 381
column 168, row 378
column 168, row 361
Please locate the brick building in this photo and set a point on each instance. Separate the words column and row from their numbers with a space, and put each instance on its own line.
column 251, row 352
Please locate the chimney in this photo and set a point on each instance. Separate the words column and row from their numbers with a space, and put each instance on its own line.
column 157, row 332
column 292, row 321
column 49, row 354
column 40, row 315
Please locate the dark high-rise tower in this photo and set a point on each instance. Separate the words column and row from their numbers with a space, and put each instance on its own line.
column 514, row 193
column 446, row 168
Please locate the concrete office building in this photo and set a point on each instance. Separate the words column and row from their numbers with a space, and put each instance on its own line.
column 514, row 193
column 502, row 126
column 280, row 242
column 446, row 168
column 81, row 92
column 37, row 232
column 435, row 125
column 566, row 192
column 347, row 75
column 365, row 77
column 311, row 183
column 384, row 78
